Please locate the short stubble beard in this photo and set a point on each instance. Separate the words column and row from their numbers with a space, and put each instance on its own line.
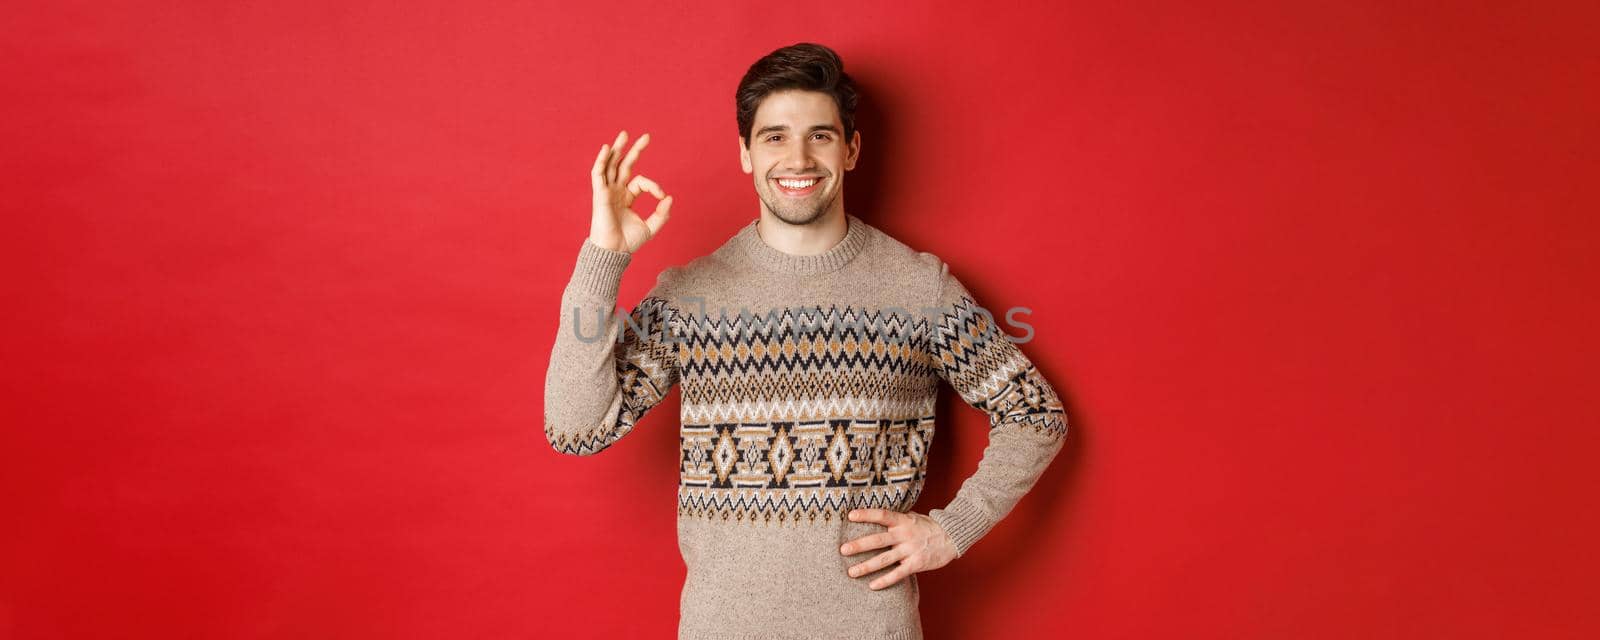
column 772, row 198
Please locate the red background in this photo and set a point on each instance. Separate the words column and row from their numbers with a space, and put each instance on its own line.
column 1317, row 282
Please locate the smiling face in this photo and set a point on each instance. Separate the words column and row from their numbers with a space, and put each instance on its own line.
column 798, row 155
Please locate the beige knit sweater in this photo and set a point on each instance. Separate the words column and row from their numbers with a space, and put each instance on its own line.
column 808, row 390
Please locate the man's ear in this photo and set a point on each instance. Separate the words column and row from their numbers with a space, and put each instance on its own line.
column 855, row 150
column 744, row 157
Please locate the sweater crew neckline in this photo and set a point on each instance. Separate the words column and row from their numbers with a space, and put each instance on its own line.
column 837, row 256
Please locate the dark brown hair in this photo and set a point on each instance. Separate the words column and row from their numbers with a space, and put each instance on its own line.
column 805, row 66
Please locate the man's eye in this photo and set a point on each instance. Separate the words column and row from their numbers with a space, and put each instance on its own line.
column 824, row 136
column 771, row 138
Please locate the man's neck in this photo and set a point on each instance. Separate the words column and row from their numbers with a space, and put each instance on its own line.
column 803, row 239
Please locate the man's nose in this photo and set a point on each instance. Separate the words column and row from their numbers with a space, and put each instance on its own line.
column 798, row 158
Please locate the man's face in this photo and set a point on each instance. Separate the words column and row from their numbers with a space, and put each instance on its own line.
column 798, row 138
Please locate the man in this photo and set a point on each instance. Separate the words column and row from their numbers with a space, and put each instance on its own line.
column 808, row 386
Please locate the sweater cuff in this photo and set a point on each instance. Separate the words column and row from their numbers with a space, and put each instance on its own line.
column 964, row 523
column 599, row 270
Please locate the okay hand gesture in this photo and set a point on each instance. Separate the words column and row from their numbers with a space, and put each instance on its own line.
column 614, row 225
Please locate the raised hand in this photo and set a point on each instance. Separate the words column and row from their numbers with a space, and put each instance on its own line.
column 615, row 226
column 914, row 540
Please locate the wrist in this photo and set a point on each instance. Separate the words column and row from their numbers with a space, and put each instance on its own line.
column 612, row 245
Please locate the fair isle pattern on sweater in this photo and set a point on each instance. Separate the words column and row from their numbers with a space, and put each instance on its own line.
column 795, row 415
column 810, row 454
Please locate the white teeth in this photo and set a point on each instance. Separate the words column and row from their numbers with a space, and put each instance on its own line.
column 797, row 184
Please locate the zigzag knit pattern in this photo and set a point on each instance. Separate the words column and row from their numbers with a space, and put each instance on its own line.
column 793, row 418
column 784, row 412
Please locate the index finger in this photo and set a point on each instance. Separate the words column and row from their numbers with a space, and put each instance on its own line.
column 881, row 516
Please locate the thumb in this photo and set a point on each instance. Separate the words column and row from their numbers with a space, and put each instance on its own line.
column 658, row 218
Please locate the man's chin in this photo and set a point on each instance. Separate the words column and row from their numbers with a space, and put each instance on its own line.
column 790, row 216
column 798, row 219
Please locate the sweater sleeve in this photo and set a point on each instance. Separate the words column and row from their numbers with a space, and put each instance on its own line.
column 1027, row 422
column 605, row 373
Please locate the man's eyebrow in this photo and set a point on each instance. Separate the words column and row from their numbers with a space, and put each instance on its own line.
column 784, row 127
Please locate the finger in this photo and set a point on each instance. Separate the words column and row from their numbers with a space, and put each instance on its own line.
column 597, row 176
column 616, row 156
column 659, row 218
column 892, row 577
column 641, row 183
column 877, row 562
column 881, row 516
column 865, row 543
column 633, row 155
column 612, row 155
